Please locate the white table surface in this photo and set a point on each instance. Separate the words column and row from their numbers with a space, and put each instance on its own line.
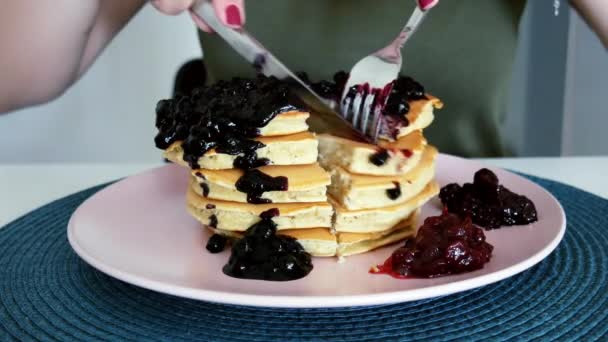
column 25, row 187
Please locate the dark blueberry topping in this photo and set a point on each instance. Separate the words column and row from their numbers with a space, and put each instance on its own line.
column 210, row 206
column 200, row 175
column 404, row 90
column 379, row 158
column 225, row 116
column 340, row 79
column 444, row 245
column 205, row 189
column 259, row 62
column 250, row 161
column 407, row 87
column 262, row 254
column 395, row 192
column 488, row 203
column 396, row 106
column 270, row 213
column 303, row 76
column 255, row 182
column 325, row 89
column 213, row 221
column 393, row 100
column 216, row 243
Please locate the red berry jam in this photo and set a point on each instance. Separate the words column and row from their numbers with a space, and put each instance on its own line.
column 444, row 245
column 488, row 203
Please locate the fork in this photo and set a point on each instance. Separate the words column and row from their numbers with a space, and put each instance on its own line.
column 371, row 78
column 324, row 114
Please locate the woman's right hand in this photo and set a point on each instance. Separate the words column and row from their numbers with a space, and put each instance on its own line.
column 230, row 12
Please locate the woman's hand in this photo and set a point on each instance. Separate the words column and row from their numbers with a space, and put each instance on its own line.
column 230, row 12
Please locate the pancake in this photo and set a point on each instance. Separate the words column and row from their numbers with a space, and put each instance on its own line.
column 357, row 157
column 320, row 242
column 357, row 243
column 306, row 183
column 294, row 149
column 355, row 191
column 236, row 216
column 379, row 219
column 286, row 123
column 419, row 116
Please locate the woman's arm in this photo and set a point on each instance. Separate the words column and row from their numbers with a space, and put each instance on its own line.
column 595, row 13
column 47, row 45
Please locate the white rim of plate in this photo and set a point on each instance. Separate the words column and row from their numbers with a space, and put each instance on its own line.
column 321, row 301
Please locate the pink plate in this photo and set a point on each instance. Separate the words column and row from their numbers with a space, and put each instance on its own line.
column 138, row 231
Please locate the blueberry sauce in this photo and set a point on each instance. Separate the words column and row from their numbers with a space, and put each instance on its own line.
column 393, row 100
column 213, row 221
column 258, row 62
column 395, row 192
column 250, row 161
column 379, row 158
column 216, row 243
column 225, row 116
column 262, row 254
column 488, row 203
column 210, row 206
column 205, row 189
column 270, row 213
column 444, row 245
column 255, row 182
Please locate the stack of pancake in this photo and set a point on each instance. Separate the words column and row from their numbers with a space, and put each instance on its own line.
column 228, row 200
column 377, row 190
column 282, row 171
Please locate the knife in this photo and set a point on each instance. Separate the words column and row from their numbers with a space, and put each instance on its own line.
column 323, row 119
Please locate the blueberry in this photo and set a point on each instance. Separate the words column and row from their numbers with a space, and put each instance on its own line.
column 216, row 243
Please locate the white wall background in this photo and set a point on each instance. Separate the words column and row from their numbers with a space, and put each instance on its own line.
column 108, row 116
column 586, row 104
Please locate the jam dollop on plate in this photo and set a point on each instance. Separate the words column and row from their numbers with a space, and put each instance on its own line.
column 444, row 245
column 488, row 203
column 226, row 116
column 263, row 254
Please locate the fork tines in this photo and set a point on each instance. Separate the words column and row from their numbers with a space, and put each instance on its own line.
column 362, row 111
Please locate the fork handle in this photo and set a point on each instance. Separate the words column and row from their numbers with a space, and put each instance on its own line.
column 415, row 20
column 411, row 26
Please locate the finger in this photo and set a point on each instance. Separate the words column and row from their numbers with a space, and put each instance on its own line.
column 200, row 23
column 172, row 7
column 230, row 12
column 427, row 4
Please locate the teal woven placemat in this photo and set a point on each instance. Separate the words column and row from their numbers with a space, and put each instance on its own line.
column 48, row 293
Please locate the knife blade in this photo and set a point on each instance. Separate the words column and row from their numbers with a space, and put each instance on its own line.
column 323, row 119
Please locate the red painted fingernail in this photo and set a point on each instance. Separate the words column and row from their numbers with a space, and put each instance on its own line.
column 427, row 4
column 233, row 16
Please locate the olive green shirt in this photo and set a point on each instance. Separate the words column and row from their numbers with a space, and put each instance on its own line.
column 463, row 53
